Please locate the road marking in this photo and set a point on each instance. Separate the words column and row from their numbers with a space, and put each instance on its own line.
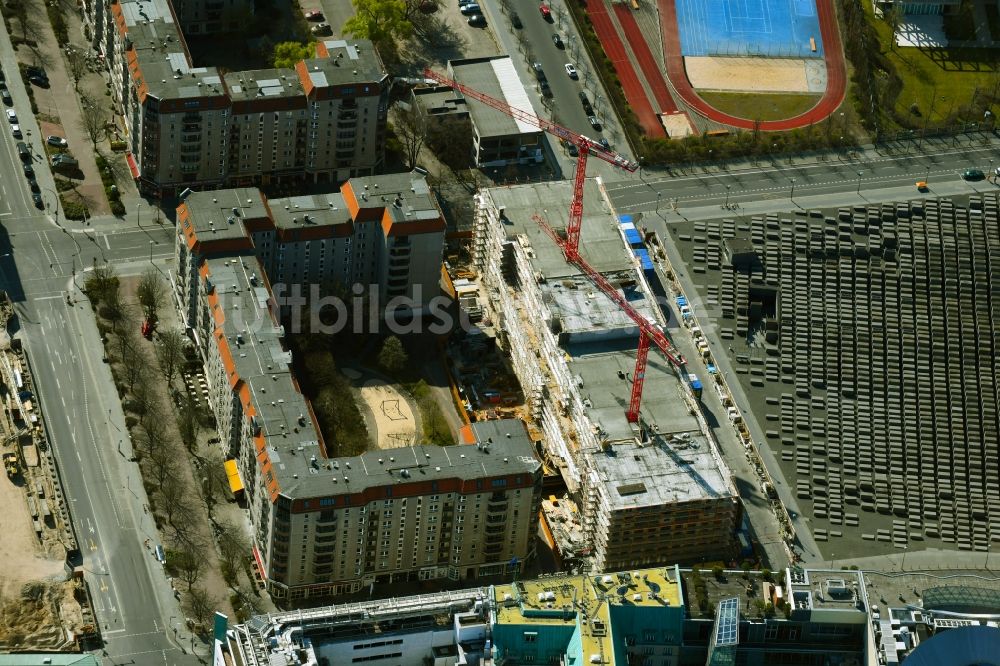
column 62, row 399
column 58, row 385
column 47, row 298
column 107, row 244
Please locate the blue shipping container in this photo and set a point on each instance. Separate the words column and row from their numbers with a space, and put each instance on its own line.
column 625, row 219
column 681, row 301
column 644, row 260
column 633, row 237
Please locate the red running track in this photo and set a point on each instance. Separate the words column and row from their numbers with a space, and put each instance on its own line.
column 654, row 77
column 836, row 73
column 615, row 50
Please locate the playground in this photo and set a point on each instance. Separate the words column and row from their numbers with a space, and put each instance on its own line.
column 390, row 416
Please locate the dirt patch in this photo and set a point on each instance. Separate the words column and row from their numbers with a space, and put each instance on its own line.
column 22, row 555
column 395, row 425
column 750, row 74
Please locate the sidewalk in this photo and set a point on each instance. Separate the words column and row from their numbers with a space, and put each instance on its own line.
column 59, row 105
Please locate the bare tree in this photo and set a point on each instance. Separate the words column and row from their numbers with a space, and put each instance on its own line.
column 170, row 353
column 113, row 306
column 76, row 65
column 151, row 292
column 187, row 564
column 188, row 416
column 162, row 465
column 151, row 434
column 411, row 130
column 200, row 605
column 894, row 18
column 214, row 480
column 26, row 14
column 234, row 545
column 93, row 117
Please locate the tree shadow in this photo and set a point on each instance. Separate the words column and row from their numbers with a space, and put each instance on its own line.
column 433, row 41
column 963, row 59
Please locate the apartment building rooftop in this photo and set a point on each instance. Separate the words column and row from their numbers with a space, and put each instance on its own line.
column 580, row 307
column 600, row 241
column 257, row 84
column 405, row 197
column 220, row 214
column 341, row 62
column 161, row 63
column 310, row 210
column 494, row 76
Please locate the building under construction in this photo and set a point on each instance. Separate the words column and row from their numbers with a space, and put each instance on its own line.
column 651, row 492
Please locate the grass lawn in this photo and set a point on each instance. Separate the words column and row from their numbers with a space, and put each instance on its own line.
column 761, row 106
column 949, row 77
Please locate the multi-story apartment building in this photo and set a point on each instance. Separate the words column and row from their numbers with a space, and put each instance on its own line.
column 383, row 232
column 204, row 17
column 329, row 524
column 653, row 492
column 196, row 127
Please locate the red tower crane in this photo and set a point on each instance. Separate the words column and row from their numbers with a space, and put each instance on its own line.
column 649, row 333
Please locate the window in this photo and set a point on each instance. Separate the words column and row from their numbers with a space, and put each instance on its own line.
column 530, row 636
column 770, row 631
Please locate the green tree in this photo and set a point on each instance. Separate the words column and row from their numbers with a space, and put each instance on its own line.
column 381, row 21
column 287, row 54
column 393, row 358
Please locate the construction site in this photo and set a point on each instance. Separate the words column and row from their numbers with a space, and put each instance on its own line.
column 574, row 352
column 44, row 602
column 865, row 341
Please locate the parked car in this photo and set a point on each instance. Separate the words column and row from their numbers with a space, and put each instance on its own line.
column 594, row 122
column 11, row 116
column 543, row 86
column 973, row 174
column 536, row 67
column 571, row 148
column 15, row 131
column 40, row 81
column 3, row 77
column 57, row 141
column 557, row 40
column 470, row 9
column 23, row 151
column 571, row 71
column 322, row 29
column 477, row 21
column 37, row 198
column 29, row 170
column 33, row 184
column 515, row 20
column 314, row 15
column 36, row 71
column 604, row 144
column 587, row 108
column 5, row 94
column 546, row 12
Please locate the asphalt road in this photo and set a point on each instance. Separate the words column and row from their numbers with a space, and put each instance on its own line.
column 774, row 184
column 43, row 259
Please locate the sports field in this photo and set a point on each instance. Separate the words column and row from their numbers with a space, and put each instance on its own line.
column 770, row 28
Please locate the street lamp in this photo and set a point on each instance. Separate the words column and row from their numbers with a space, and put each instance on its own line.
column 791, row 196
column 729, row 187
column 151, row 244
column 658, row 195
column 860, row 173
column 137, row 214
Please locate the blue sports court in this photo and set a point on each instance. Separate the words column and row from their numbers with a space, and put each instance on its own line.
column 773, row 28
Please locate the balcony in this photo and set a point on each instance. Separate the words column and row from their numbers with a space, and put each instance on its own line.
column 496, row 518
